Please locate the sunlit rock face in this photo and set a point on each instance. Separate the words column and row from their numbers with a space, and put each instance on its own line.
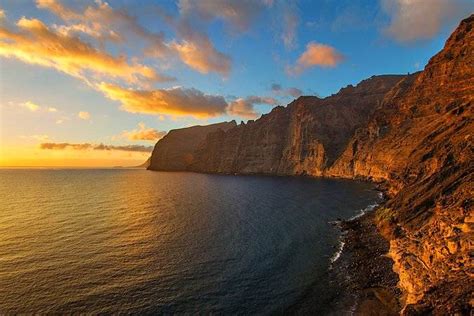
column 176, row 151
column 412, row 132
column 302, row 139
column 420, row 140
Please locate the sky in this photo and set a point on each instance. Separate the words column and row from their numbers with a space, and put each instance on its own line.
column 97, row 83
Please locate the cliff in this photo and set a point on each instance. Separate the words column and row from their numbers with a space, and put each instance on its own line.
column 176, row 151
column 413, row 133
column 302, row 139
column 420, row 142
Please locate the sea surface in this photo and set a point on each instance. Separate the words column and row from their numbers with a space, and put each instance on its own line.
column 136, row 241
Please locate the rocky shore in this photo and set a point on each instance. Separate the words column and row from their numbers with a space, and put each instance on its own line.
column 366, row 270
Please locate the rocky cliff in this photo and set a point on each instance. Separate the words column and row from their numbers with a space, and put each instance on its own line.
column 413, row 133
column 420, row 142
column 176, row 150
column 304, row 138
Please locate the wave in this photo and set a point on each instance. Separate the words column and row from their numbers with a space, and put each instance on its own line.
column 338, row 253
column 361, row 213
column 364, row 211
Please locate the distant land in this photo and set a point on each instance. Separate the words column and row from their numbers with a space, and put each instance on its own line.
column 412, row 134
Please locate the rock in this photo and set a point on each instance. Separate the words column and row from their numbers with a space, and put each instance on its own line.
column 176, row 151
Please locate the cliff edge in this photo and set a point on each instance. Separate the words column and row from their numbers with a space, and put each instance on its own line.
column 176, row 150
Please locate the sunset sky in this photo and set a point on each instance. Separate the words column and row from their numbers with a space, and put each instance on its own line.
column 96, row 83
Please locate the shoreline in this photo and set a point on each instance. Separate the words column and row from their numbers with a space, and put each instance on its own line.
column 361, row 263
column 365, row 270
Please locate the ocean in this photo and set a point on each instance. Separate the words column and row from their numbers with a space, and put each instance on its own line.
column 136, row 241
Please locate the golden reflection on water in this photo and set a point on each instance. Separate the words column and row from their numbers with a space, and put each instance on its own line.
column 137, row 241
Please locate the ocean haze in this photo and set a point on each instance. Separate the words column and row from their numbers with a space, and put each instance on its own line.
column 136, row 241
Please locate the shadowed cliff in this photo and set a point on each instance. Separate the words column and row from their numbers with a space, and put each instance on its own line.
column 176, row 150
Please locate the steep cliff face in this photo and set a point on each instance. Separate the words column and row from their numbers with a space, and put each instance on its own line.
column 304, row 138
column 414, row 133
column 420, row 142
column 176, row 151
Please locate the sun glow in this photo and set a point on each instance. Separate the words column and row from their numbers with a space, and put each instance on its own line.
column 33, row 156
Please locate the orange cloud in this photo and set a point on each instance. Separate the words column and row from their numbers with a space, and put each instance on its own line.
column 99, row 21
column 197, row 51
column 84, row 115
column 175, row 101
column 143, row 133
column 412, row 20
column 245, row 107
column 316, row 55
column 33, row 107
column 203, row 57
column 103, row 22
column 94, row 31
column 35, row 43
column 88, row 146
column 57, row 8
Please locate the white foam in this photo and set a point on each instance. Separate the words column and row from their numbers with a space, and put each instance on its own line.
column 364, row 211
column 338, row 252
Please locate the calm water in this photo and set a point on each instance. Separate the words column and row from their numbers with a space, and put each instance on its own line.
column 141, row 241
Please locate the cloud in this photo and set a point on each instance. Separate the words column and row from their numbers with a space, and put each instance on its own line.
column 106, row 23
column 182, row 102
column 290, row 24
column 203, row 57
column 84, row 115
column 70, row 30
column 35, row 43
column 41, row 138
column 316, row 55
column 176, row 101
column 88, row 146
column 103, row 22
column 245, row 107
column 240, row 14
column 198, row 52
column 33, row 107
column 57, row 8
column 278, row 89
column 294, row 92
column 143, row 133
column 412, row 20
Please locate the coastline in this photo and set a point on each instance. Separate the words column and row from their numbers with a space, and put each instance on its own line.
column 361, row 265
column 365, row 270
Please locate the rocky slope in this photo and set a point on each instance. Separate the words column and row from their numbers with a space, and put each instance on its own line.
column 413, row 133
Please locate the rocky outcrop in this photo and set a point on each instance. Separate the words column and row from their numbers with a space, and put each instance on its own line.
column 176, row 150
column 413, row 133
